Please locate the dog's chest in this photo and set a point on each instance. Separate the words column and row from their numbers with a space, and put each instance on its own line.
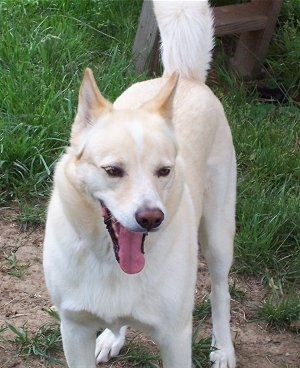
column 102, row 289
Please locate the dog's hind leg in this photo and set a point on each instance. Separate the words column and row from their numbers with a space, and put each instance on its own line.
column 216, row 235
column 175, row 347
column 109, row 343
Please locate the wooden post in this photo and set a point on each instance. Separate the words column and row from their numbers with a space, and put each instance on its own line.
column 252, row 46
column 146, row 43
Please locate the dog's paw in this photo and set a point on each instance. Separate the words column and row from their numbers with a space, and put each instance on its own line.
column 109, row 344
column 222, row 358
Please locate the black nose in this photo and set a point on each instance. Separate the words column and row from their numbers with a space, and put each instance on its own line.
column 149, row 218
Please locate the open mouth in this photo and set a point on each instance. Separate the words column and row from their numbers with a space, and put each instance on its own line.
column 128, row 245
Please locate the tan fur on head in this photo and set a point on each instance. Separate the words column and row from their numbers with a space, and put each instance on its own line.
column 92, row 105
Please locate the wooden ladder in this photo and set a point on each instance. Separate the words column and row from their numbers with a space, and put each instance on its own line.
column 253, row 21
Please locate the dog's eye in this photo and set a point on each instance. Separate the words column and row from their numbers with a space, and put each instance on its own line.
column 163, row 171
column 114, row 171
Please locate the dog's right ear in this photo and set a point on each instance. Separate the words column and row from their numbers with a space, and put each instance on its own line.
column 162, row 103
column 91, row 105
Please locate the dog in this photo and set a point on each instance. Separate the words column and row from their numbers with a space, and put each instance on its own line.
column 142, row 183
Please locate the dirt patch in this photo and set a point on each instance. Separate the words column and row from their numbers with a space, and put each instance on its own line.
column 24, row 301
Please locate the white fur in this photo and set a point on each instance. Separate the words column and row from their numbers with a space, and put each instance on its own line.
column 185, row 26
column 197, row 198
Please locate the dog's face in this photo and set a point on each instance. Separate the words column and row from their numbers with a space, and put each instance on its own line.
column 125, row 160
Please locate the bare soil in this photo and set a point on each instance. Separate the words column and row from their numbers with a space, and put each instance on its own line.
column 24, row 300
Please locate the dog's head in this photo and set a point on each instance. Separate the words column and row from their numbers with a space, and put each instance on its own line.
column 125, row 160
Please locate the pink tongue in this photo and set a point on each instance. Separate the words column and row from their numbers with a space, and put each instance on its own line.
column 131, row 257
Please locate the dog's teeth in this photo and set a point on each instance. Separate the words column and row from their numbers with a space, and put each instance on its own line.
column 115, row 228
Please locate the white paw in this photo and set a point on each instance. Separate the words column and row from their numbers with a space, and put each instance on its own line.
column 109, row 344
column 222, row 358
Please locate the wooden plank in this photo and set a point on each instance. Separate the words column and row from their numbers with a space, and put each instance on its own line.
column 145, row 48
column 238, row 18
column 252, row 47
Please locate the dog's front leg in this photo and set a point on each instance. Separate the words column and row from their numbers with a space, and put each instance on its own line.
column 109, row 343
column 79, row 340
column 175, row 348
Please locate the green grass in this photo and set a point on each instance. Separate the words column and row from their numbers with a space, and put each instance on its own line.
column 44, row 50
column 137, row 355
column 12, row 266
column 42, row 57
column 284, row 52
column 43, row 343
column 201, row 348
column 268, row 209
column 236, row 293
column 202, row 309
column 280, row 312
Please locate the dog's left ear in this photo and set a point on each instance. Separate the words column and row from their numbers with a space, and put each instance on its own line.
column 162, row 103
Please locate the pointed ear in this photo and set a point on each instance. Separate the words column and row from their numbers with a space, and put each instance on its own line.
column 162, row 102
column 91, row 104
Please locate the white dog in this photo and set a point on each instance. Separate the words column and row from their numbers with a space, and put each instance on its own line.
column 143, row 180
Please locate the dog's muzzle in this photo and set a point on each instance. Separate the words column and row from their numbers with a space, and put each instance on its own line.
column 129, row 245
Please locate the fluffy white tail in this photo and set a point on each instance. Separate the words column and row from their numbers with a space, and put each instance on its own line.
column 186, row 30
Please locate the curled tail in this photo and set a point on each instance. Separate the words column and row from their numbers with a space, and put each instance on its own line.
column 186, row 30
